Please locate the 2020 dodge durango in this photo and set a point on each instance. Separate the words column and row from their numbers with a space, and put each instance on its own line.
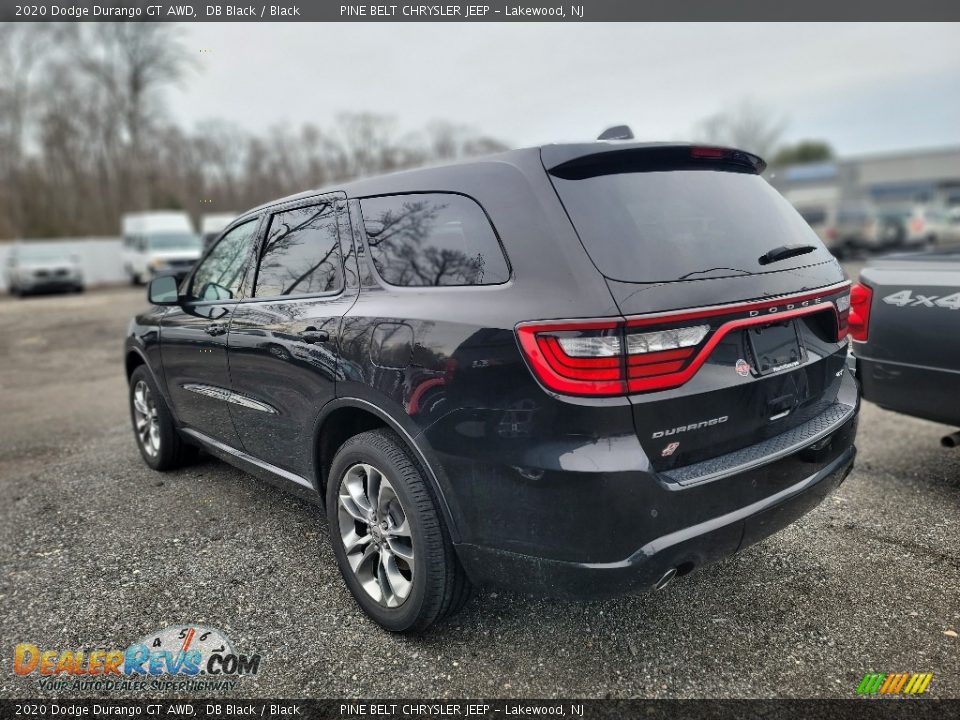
column 575, row 369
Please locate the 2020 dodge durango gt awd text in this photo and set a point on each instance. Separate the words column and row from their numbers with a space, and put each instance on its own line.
column 575, row 369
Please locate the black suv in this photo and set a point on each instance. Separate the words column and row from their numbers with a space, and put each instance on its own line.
column 579, row 369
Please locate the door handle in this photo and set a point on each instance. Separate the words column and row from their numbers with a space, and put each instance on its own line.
column 214, row 329
column 311, row 335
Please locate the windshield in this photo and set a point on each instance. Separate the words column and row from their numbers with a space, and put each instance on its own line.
column 814, row 216
column 41, row 253
column 897, row 213
column 683, row 224
column 174, row 241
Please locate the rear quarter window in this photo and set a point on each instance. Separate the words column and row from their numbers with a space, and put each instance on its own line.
column 432, row 239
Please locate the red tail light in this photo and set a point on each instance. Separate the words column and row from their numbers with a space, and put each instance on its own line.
column 653, row 352
column 916, row 225
column 859, row 320
column 589, row 359
column 576, row 358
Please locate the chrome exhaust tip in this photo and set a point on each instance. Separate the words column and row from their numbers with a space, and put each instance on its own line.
column 952, row 440
column 667, row 578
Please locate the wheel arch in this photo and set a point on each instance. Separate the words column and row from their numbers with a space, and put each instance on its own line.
column 134, row 359
column 345, row 417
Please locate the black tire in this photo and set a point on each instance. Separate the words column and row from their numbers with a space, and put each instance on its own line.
column 171, row 452
column 439, row 585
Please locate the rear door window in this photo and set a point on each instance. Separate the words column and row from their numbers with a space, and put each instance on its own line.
column 660, row 226
column 432, row 239
column 301, row 255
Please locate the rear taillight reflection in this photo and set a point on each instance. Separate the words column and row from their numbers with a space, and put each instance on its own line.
column 858, row 321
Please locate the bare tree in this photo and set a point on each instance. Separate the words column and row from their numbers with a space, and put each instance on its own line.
column 132, row 62
column 447, row 141
column 23, row 51
column 747, row 125
column 97, row 143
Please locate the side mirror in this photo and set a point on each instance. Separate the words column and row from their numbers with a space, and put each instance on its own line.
column 163, row 290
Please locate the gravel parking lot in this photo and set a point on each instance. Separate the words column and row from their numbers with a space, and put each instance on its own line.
column 98, row 550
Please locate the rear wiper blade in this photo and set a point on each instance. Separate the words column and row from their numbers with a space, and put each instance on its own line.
column 785, row 251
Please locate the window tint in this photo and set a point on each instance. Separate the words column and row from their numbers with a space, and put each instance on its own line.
column 219, row 275
column 684, row 224
column 437, row 239
column 302, row 253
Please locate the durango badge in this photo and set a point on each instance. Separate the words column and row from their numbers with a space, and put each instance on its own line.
column 742, row 367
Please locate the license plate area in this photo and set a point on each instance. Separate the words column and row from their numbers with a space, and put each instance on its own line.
column 775, row 347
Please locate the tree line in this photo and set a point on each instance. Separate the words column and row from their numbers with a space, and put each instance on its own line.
column 85, row 136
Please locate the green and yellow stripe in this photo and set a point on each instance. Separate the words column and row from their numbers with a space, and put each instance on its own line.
column 894, row 683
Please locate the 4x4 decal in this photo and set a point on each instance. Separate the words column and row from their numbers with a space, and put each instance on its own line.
column 905, row 298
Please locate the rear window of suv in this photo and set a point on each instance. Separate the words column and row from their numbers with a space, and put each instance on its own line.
column 430, row 239
column 661, row 226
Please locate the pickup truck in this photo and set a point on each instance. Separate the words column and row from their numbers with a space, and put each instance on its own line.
column 905, row 330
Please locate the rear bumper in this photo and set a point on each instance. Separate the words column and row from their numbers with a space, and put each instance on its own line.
column 683, row 550
column 914, row 390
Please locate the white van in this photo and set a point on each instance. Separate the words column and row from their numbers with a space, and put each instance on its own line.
column 212, row 224
column 158, row 243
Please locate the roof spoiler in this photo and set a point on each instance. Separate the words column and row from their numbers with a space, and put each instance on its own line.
column 648, row 158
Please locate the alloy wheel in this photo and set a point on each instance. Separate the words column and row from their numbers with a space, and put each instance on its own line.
column 145, row 419
column 376, row 535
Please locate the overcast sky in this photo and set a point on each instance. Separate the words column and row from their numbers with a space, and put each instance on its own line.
column 862, row 87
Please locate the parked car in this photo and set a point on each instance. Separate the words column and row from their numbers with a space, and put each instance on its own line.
column 158, row 243
column 844, row 227
column 920, row 225
column 903, row 323
column 577, row 369
column 42, row 267
column 212, row 224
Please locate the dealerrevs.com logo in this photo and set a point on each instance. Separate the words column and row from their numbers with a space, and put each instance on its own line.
column 176, row 658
